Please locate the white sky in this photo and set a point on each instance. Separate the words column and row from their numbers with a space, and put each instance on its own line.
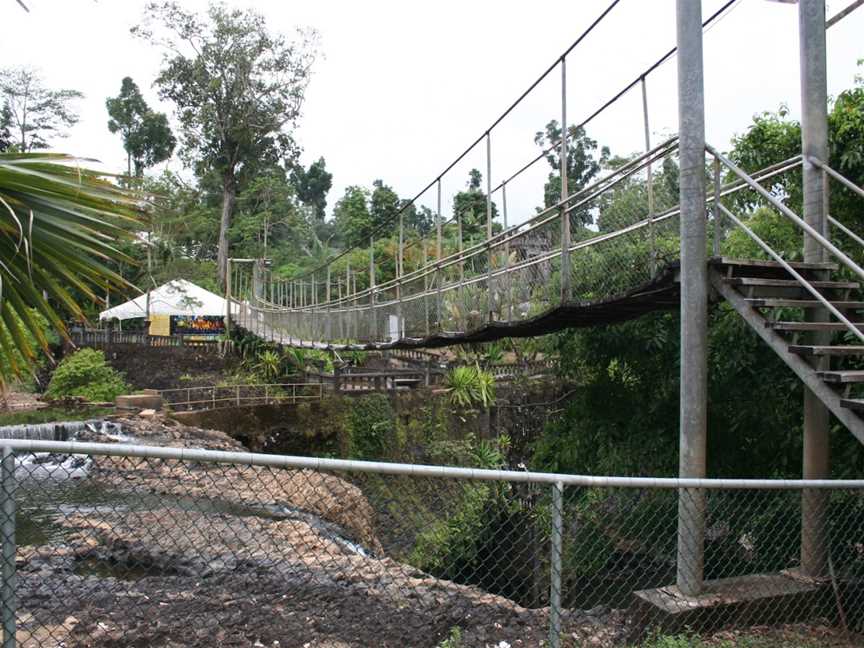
column 405, row 86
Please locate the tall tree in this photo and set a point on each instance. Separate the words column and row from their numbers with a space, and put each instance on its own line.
column 147, row 137
column 312, row 186
column 352, row 217
column 238, row 89
column 5, row 128
column 582, row 165
column 384, row 204
column 470, row 207
column 36, row 113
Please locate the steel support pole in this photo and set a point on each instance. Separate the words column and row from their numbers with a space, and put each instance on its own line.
column 461, row 264
column 425, row 288
column 565, row 193
column 556, row 542
column 814, row 142
column 439, row 249
column 372, row 322
column 694, row 296
column 490, row 300
column 399, row 272
column 718, row 191
column 650, row 181
column 228, row 299
column 508, row 279
column 7, row 530
column 348, row 305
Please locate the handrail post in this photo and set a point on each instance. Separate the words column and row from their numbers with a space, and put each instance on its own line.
column 650, row 181
column 490, row 298
column 718, row 225
column 227, row 299
column 328, row 329
column 508, row 279
column 439, row 278
column 555, row 565
column 348, row 306
column 461, row 263
column 425, row 289
column 565, row 217
column 7, row 526
column 399, row 272
column 373, row 323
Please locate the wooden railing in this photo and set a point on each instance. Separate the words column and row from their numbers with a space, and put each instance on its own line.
column 220, row 397
column 521, row 370
column 363, row 380
column 104, row 338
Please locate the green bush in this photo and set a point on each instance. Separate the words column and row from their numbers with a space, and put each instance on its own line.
column 370, row 427
column 85, row 374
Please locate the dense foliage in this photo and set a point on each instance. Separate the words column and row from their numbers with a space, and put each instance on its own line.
column 85, row 374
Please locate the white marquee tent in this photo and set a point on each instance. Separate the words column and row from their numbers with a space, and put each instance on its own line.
column 178, row 297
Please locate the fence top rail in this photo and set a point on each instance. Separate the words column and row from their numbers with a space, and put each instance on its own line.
column 183, row 390
column 413, row 470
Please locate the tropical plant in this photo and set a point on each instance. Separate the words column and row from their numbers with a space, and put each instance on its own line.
column 85, row 374
column 470, row 386
column 269, row 364
column 60, row 223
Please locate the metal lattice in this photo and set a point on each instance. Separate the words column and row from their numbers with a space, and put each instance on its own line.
column 124, row 545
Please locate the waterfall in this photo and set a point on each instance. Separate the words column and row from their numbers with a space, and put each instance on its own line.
column 63, row 431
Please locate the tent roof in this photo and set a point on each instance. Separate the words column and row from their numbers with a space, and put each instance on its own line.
column 177, row 297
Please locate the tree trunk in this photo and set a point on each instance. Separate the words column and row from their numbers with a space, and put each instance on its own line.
column 229, row 197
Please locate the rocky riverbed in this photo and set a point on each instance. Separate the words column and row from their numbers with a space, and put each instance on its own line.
column 181, row 554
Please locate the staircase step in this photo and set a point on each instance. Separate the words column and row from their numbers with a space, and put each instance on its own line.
column 770, row 302
column 808, row 350
column 789, row 283
column 845, row 376
column 855, row 404
column 811, row 326
column 771, row 265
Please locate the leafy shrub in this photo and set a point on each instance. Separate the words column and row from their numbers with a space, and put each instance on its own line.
column 469, row 386
column 370, row 426
column 85, row 374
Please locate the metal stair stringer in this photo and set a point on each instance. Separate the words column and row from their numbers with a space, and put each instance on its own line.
column 805, row 372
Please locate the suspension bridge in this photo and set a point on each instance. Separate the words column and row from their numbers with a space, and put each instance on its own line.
column 579, row 263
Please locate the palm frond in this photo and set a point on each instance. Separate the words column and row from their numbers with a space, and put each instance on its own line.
column 59, row 227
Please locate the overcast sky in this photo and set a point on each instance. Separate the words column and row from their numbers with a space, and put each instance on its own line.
column 404, row 86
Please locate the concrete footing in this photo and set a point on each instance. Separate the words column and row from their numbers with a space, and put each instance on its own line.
column 758, row 599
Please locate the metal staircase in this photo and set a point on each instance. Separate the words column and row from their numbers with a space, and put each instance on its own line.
column 780, row 309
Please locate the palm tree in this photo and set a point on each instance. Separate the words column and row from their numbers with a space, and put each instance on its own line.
column 59, row 224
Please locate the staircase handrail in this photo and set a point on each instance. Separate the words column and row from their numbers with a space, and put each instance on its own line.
column 836, row 175
column 783, row 209
column 798, row 276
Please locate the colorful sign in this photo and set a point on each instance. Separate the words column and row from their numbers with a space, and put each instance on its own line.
column 204, row 325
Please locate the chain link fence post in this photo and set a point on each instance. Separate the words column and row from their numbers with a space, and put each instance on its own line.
column 7, row 530
column 555, row 565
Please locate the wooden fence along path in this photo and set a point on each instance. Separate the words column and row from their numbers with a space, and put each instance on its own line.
column 105, row 338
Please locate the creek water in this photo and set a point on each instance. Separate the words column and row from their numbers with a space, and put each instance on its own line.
column 51, row 487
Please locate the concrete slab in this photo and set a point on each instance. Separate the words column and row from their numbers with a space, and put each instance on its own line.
column 138, row 402
column 741, row 601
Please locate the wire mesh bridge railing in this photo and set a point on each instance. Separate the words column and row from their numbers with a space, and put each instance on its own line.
column 106, row 545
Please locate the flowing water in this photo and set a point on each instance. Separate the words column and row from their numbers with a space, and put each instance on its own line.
column 51, row 486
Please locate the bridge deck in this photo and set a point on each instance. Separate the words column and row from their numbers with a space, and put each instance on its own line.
column 661, row 293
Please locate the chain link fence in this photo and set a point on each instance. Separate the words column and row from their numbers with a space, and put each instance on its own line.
column 110, row 545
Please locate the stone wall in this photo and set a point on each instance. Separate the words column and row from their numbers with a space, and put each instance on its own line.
column 167, row 367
